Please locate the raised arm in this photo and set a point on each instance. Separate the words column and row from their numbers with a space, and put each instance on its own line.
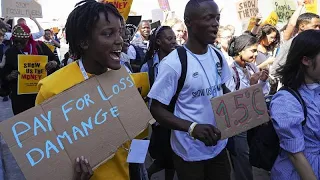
column 293, row 21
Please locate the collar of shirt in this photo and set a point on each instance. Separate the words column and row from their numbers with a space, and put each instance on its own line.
column 312, row 90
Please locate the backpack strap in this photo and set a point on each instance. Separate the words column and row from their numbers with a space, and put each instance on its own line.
column 237, row 77
column 219, row 56
column 298, row 96
column 151, row 71
column 182, row 52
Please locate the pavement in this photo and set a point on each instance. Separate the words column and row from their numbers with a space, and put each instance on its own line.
column 9, row 170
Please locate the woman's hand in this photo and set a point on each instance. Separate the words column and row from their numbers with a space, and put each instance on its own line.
column 264, row 75
column 82, row 169
column 13, row 75
column 255, row 78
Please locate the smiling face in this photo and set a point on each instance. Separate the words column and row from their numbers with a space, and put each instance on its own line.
column 145, row 30
column 249, row 54
column 205, row 23
column 167, row 41
column 105, row 44
column 47, row 35
column 179, row 30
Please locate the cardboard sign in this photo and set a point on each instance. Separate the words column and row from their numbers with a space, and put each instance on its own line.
column 164, row 5
column 240, row 111
column 32, row 70
column 272, row 19
column 247, row 9
column 312, row 6
column 141, row 81
column 123, row 6
column 21, row 8
column 284, row 9
column 92, row 119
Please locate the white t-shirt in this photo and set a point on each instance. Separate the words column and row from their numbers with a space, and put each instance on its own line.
column 193, row 103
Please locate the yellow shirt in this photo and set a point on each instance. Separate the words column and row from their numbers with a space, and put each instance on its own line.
column 65, row 78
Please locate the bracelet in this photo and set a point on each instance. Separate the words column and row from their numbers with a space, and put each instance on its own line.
column 191, row 128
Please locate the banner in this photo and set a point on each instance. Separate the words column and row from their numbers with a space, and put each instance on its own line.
column 247, row 9
column 284, row 9
column 164, row 5
column 312, row 6
column 272, row 19
column 32, row 70
column 21, row 8
column 141, row 81
column 123, row 6
column 92, row 119
column 240, row 111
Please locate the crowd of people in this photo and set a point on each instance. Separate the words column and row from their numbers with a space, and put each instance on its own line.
column 181, row 58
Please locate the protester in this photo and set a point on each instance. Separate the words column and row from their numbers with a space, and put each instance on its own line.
column 23, row 43
column 124, row 58
column 222, row 42
column 245, row 74
column 50, row 40
column 22, row 21
column 198, row 151
column 305, row 22
column 162, row 42
column 139, row 46
column 97, row 45
column 299, row 136
column 268, row 38
column 3, row 30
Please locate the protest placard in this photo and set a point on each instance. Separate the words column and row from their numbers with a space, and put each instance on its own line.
column 312, row 6
column 272, row 19
column 123, row 6
column 252, row 23
column 21, row 8
column 284, row 9
column 247, row 9
column 240, row 111
column 92, row 119
column 141, row 81
column 32, row 70
column 164, row 5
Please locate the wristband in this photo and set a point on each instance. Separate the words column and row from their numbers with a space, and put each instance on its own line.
column 191, row 128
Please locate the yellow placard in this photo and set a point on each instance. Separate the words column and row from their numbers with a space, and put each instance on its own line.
column 32, row 70
column 272, row 19
column 252, row 23
column 141, row 80
column 123, row 6
column 312, row 6
column 51, row 47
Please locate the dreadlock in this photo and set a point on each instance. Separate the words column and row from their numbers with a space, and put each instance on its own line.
column 153, row 46
column 81, row 21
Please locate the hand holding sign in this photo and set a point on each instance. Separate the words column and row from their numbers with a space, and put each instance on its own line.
column 82, row 169
column 207, row 133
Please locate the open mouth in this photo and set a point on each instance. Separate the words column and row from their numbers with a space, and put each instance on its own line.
column 115, row 55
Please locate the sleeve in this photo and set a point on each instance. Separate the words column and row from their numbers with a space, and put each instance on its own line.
column 132, row 53
column 226, row 75
column 7, row 36
column 39, row 98
column 265, row 86
column 165, row 85
column 287, row 116
column 38, row 35
column 144, row 68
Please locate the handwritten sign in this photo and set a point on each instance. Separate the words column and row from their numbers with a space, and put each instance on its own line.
column 312, row 6
column 240, row 111
column 164, row 5
column 21, row 8
column 284, row 9
column 141, row 81
column 247, row 9
column 91, row 119
column 123, row 6
column 32, row 70
column 272, row 19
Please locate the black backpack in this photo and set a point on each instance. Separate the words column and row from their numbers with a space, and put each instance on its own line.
column 160, row 147
column 263, row 140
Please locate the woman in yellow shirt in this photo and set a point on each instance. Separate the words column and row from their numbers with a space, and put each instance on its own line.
column 93, row 31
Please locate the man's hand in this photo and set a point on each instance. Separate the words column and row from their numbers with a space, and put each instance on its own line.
column 51, row 65
column 206, row 133
column 13, row 75
column 82, row 169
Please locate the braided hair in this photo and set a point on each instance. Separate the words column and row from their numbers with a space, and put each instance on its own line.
column 153, row 46
column 81, row 21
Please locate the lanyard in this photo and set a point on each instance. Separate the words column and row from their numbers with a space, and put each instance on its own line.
column 217, row 74
column 83, row 71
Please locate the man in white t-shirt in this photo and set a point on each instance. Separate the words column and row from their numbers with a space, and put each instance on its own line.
column 198, row 151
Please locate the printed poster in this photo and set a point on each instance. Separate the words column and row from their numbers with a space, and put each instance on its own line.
column 312, row 6
column 32, row 70
column 123, row 6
